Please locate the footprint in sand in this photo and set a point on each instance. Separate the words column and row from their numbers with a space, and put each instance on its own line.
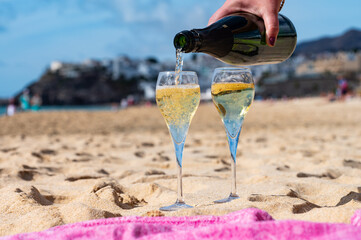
column 350, row 196
column 83, row 154
column 117, row 194
column 261, row 140
column 6, row 150
column 306, row 206
column 28, row 167
column 26, row 175
column 154, row 172
column 224, row 162
column 59, row 199
column 223, row 169
column 197, row 142
column 48, row 152
column 308, row 153
column 161, row 158
column 303, row 207
column 147, row 144
column 331, row 174
column 43, row 157
column 283, row 168
column 102, row 171
column 140, row 154
column 352, row 163
column 33, row 194
column 83, row 177
column 257, row 198
column 38, row 155
column 81, row 159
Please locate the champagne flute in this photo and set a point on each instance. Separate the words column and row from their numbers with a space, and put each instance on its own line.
column 178, row 96
column 232, row 94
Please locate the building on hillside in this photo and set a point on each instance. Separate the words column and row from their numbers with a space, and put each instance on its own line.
column 148, row 90
column 55, row 66
column 67, row 70
column 335, row 63
column 301, row 86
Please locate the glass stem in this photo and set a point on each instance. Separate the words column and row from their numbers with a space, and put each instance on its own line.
column 180, row 186
column 179, row 155
column 234, row 185
column 233, row 143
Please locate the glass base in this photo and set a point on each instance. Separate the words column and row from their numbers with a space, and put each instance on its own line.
column 231, row 197
column 176, row 206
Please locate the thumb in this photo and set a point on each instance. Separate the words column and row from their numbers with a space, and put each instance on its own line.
column 272, row 27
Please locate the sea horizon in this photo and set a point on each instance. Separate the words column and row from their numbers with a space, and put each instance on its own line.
column 90, row 108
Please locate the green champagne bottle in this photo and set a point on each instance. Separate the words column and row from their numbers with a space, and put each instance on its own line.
column 240, row 40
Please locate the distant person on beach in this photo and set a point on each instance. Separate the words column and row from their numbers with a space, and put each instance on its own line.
column 25, row 100
column 342, row 88
column 36, row 102
column 11, row 108
column 123, row 103
column 266, row 9
column 130, row 100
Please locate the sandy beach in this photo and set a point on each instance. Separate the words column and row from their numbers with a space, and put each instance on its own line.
column 298, row 159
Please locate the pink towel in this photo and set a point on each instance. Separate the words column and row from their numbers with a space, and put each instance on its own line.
column 244, row 224
column 356, row 218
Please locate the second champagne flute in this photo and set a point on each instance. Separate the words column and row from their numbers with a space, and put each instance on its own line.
column 178, row 96
column 232, row 94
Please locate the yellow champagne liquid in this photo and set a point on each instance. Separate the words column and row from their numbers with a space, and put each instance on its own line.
column 232, row 101
column 178, row 105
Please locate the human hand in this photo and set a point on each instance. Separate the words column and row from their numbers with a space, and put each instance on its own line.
column 266, row 9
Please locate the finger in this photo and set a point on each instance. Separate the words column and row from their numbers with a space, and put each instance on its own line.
column 272, row 27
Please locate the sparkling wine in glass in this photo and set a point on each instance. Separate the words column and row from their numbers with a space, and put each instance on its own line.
column 178, row 96
column 232, row 94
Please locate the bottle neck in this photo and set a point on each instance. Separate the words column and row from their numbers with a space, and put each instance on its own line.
column 187, row 41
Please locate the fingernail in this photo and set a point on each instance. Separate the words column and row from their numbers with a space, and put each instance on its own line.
column 272, row 41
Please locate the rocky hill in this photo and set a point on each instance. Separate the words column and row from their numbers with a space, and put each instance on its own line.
column 83, row 84
column 349, row 41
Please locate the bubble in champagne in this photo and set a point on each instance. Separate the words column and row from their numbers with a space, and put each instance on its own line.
column 179, row 65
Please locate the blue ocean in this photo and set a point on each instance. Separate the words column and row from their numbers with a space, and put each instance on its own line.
column 90, row 108
column 2, row 110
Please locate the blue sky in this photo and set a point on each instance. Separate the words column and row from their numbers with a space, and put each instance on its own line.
column 35, row 32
